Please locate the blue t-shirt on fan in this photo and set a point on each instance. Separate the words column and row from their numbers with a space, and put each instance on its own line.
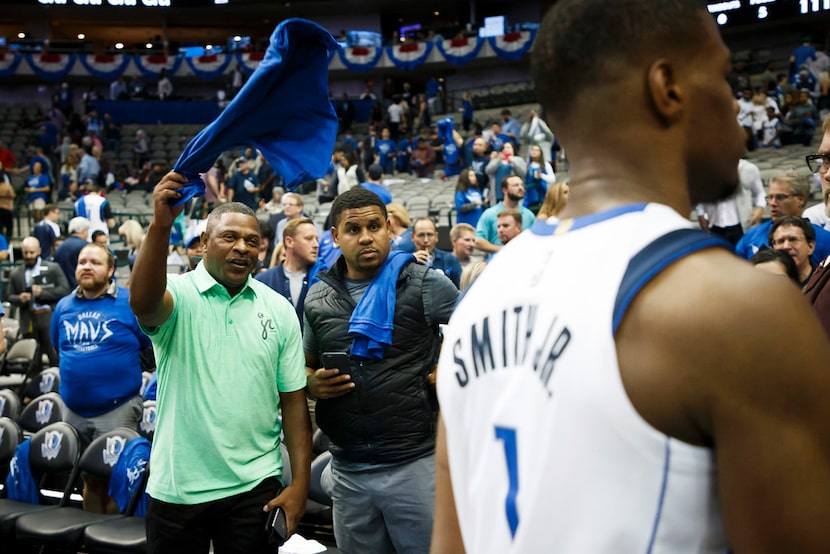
column 99, row 344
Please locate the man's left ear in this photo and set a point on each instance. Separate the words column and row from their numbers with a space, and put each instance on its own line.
column 664, row 91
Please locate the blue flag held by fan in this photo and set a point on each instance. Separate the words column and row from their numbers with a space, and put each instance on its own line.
column 451, row 153
column 283, row 110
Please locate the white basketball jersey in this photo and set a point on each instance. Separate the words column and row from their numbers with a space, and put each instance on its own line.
column 91, row 206
column 546, row 452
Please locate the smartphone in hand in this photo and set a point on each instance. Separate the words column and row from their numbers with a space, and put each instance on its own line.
column 339, row 360
column 276, row 527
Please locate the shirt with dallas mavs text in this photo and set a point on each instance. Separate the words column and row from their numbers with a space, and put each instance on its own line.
column 99, row 344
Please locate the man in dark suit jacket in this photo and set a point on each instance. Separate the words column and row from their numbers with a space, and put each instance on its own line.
column 291, row 278
column 66, row 255
column 48, row 229
column 35, row 288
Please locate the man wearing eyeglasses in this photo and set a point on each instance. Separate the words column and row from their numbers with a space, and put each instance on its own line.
column 816, row 290
column 292, row 208
column 787, row 195
column 818, row 164
column 795, row 236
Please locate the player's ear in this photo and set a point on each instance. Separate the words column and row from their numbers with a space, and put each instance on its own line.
column 664, row 91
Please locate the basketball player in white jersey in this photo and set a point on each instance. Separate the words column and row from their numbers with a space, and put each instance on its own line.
column 636, row 387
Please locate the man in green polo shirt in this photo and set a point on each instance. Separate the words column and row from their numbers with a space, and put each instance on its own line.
column 230, row 359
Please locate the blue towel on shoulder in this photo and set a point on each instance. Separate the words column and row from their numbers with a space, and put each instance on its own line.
column 127, row 474
column 372, row 319
column 283, row 110
column 20, row 484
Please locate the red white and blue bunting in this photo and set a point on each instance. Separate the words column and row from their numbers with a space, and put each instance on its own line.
column 151, row 66
column 249, row 61
column 406, row 56
column 409, row 55
column 9, row 62
column 50, row 66
column 460, row 51
column 360, row 58
column 209, row 67
column 512, row 46
column 105, row 66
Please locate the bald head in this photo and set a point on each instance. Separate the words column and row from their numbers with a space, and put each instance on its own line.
column 30, row 248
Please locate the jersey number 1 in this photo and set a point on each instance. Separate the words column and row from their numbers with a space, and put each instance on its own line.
column 508, row 436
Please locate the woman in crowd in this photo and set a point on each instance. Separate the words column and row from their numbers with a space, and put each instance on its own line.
column 504, row 164
column 776, row 262
column 539, row 177
column 349, row 174
column 278, row 256
column 69, row 178
column 133, row 234
column 469, row 198
column 556, row 198
column 535, row 132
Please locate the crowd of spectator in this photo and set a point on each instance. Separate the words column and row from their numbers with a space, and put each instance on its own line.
column 504, row 175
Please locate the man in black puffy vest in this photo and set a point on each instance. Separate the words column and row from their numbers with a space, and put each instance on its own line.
column 378, row 410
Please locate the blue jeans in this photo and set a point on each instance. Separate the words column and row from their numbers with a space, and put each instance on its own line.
column 383, row 510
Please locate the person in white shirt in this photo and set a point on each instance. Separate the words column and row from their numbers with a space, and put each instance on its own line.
column 746, row 116
column 727, row 218
column 395, row 113
column 96, row 208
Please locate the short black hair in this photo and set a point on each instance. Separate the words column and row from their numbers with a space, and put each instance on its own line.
column 567, row 60
column 228, row 208
column 794, row 221
column 766, row 255
column 357, row 197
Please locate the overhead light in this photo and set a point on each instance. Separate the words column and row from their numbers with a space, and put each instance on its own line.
column 81, row 36
column 209, row 47
column 149, row 45
column 436, row 13
column 220, row 1
column 237, row 38
column 119, row 45
column 21, row 35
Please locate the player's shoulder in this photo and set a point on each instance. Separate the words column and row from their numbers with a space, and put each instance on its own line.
column 700, row 335
column 721, row 289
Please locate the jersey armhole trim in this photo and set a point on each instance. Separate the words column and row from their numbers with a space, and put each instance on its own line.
column 654, row 258
column 544, row 229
